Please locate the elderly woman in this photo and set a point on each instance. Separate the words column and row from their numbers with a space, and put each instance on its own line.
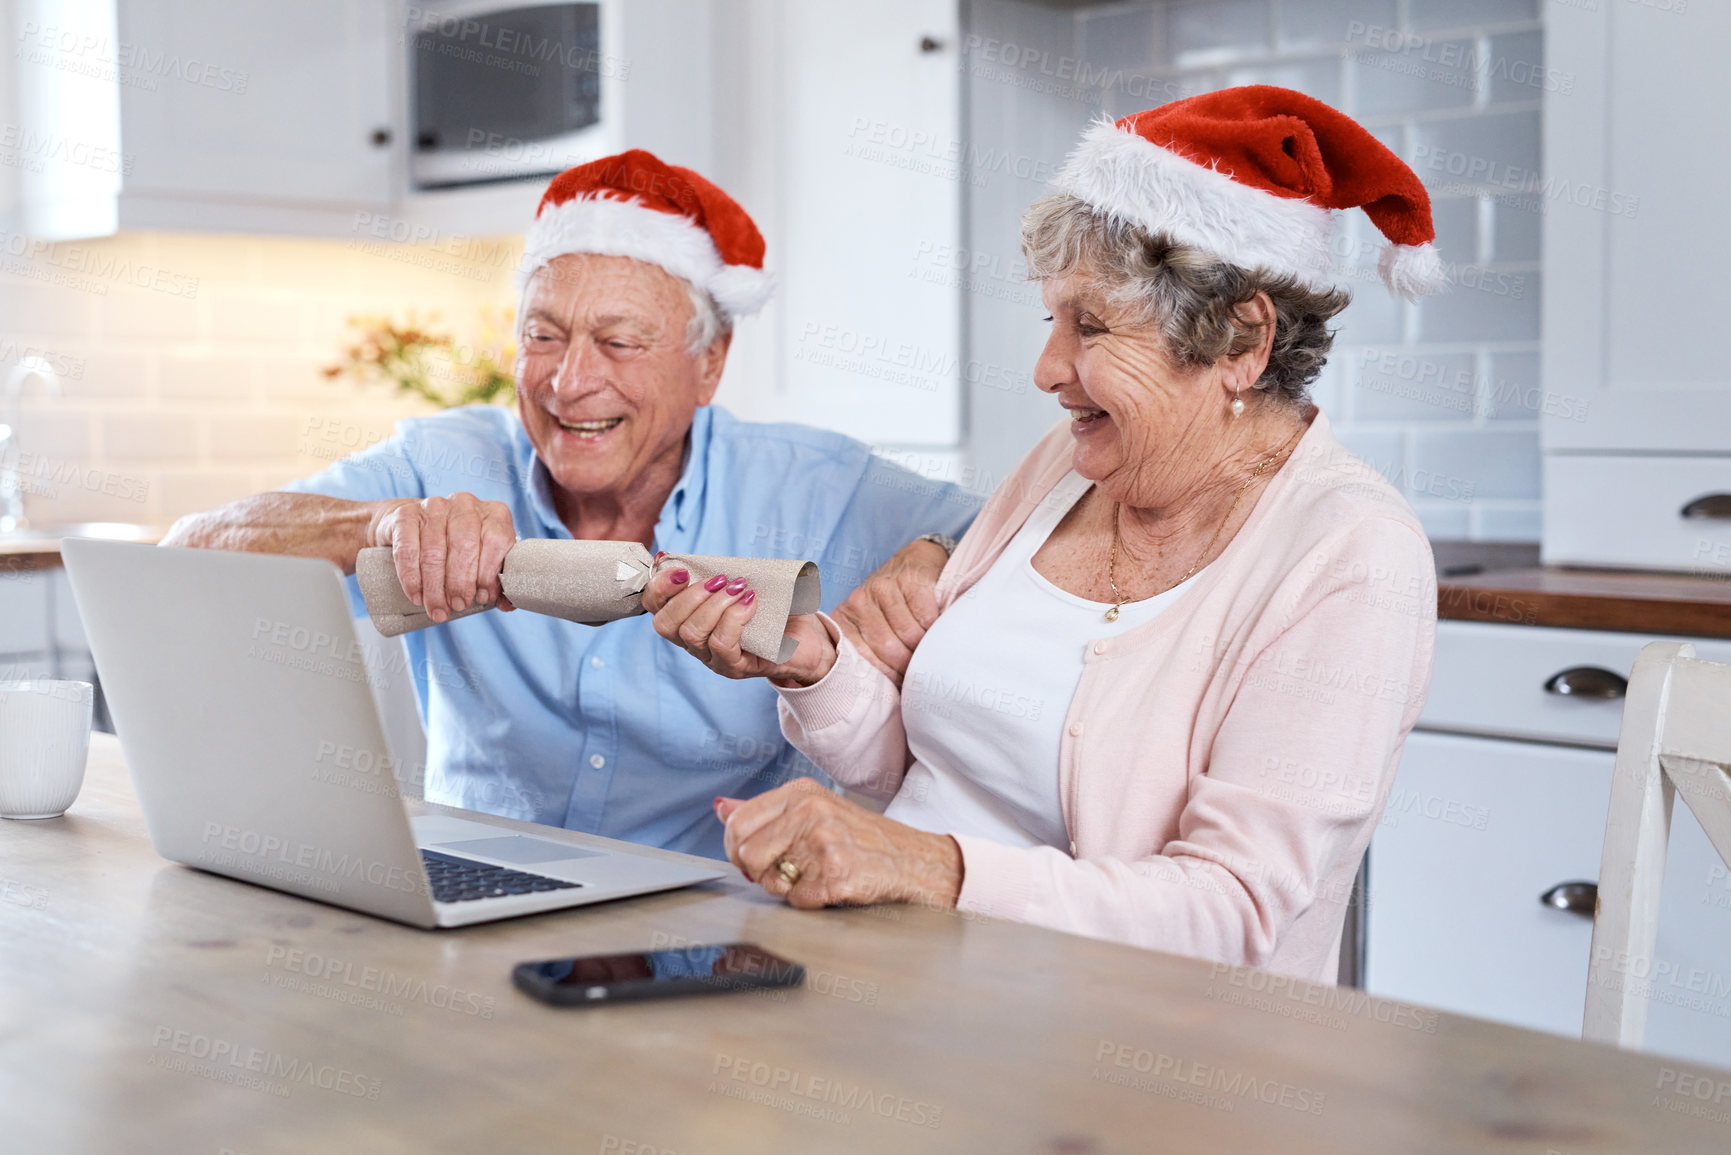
column 1179, row 651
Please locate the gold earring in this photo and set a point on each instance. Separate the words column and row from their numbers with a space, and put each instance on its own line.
column 1237, row 405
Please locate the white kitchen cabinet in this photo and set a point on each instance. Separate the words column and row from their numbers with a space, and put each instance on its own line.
column 1501, row 796
column 1688, row 986
column 874, row 163
column 1476, row 830
column 1503, row 681
column 24, row 621
column 40, row 631
column 228, row 107
column 1636, row 152
column 1640, row 512
column 61, row 121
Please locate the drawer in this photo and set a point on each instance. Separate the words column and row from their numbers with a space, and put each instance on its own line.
column 1474, row 832
column 1628, row 512
column 1491, row 679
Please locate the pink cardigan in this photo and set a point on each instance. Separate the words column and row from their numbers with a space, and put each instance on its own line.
column 1222, row 766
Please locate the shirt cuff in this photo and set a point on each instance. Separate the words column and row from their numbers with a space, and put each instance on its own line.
column 997, row 880
column 829, row 700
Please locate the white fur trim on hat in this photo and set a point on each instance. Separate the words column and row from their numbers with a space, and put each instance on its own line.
column 1126, row 176
column 617, row 228
column 1412, row 271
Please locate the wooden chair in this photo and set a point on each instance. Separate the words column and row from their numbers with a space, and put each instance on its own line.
column 1676, row 739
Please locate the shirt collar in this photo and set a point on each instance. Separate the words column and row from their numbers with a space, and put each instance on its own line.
column 679, row 519
column 681, row 514
column 541, row 491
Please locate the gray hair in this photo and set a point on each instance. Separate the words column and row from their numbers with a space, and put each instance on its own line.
column 1192, row 296
column 708, row 320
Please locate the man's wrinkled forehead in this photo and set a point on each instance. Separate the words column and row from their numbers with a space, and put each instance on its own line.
column 592, row 290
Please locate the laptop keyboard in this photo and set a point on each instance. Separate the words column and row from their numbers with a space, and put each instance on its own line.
column 464, row 880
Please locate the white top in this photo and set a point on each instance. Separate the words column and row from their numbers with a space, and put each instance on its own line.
column 987, row 691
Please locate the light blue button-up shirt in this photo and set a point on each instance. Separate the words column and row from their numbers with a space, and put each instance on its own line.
column 611, row 729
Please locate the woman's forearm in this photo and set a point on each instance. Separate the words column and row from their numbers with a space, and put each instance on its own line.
column 933, row 870
column 850, row 724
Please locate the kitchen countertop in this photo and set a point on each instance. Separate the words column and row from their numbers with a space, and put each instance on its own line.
column 19, row 555
column 1586, row 599
column 155, row 1008
column 40, row 550
column 1504, row 582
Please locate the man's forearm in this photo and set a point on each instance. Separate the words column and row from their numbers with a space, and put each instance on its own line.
column 301, row 524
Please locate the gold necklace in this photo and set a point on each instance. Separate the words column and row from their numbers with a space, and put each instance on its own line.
column 1119, row 600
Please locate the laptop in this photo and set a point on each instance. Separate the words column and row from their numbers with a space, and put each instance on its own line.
column 242, row 698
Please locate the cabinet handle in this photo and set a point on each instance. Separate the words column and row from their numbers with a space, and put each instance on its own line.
column 381, row 137
column 1587, row 682
column 1710, row 506
column 1580, row 898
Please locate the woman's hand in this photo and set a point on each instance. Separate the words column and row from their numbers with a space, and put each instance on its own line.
column 705, row 620
column 889, row 612
column 839, row 852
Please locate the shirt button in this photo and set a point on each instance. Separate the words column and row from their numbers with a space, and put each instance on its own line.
column 597, row 761
column 1099, row 647
column 597, row 663
column 1075, row 727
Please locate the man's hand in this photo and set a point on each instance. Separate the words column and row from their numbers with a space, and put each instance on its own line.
column 893, row 608
column 448, row 550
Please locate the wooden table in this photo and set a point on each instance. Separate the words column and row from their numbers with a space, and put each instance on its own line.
column 146, row 1007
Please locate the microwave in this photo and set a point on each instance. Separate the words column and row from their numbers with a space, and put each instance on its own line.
column 503, row 90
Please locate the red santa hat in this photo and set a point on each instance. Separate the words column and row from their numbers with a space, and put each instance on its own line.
column 1252, row 175
column 633, row 205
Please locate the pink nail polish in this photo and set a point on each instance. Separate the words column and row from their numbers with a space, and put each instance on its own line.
column 679, row 576
column 750, row 596
column 736, row 586
column 715, row 582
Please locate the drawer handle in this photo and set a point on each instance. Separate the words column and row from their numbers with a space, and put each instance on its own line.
column 1587, row 682
column 1580, row 898
column 1711, row 506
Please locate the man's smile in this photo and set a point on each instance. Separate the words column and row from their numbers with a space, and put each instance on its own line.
column 589, row 430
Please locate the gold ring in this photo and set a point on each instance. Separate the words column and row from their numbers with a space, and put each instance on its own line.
column 788, row 871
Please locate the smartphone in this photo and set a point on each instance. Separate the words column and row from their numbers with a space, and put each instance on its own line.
column 655, row 974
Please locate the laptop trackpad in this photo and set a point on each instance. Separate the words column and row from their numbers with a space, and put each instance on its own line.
column 519, row 848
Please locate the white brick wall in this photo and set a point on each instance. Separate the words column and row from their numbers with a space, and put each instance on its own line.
column 190, row 364
column 1443, row 395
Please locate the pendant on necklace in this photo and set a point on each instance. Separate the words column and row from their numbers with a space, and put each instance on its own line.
column 1112, row 614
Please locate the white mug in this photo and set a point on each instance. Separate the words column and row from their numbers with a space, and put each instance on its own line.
column 44, row 738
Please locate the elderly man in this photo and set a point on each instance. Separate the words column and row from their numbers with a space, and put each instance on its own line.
column 635, row 271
